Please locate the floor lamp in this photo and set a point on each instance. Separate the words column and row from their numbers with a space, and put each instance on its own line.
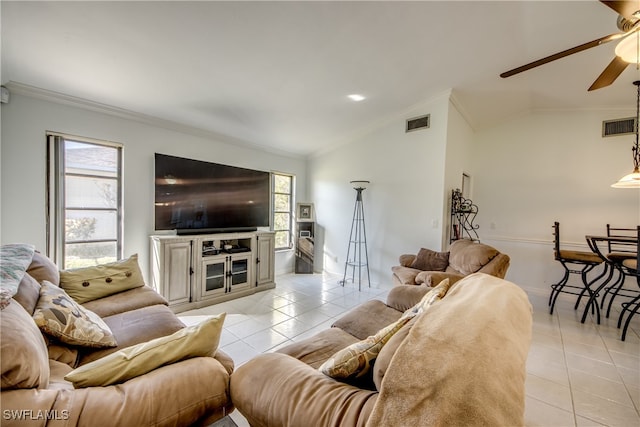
column 357, row 240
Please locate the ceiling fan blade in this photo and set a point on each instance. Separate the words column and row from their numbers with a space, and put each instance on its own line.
column 576, row 49
column 624, row 8
column 610, row 74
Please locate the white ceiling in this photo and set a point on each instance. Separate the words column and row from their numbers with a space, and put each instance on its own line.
column 277, row 74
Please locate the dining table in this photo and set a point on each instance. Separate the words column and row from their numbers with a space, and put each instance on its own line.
column 596, row 244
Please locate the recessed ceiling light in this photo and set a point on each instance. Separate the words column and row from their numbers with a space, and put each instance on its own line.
column 356, row 97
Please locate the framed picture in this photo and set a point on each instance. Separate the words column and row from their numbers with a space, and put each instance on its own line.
column 305, row 212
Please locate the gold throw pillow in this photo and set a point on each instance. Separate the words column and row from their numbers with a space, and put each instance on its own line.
column 90, row 283
column 193, row 341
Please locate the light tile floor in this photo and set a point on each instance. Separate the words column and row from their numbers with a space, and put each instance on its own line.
column 577, row 374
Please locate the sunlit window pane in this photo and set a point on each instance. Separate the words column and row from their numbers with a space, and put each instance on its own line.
column 85, row 217
column 90, row 225
column 282, row 209
column 282, row 239
column 88, row 254
column 91, row 192
column 282, row 202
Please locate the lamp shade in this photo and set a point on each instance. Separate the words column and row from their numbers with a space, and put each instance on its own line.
column 359, row 184
column 629, row 181
column 627, row 49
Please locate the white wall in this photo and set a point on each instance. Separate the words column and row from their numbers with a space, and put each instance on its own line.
column 548, row 166
column 23, row 154
column 404, row 203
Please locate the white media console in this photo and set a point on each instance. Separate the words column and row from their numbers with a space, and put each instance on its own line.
column 199, row 270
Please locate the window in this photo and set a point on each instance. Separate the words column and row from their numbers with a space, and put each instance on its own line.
column 84, row 201
column 282, row 209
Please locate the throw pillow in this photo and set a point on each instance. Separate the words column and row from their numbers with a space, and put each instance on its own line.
column 428, row 260
column 14, row 260
column 193, row 341
column 58, row 315
column 90, row 283
column 356, row 360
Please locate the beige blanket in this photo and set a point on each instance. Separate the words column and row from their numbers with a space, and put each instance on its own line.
column 463, row 362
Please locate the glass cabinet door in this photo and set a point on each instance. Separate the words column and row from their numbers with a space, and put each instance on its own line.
column 214, row 276
column 239, row 272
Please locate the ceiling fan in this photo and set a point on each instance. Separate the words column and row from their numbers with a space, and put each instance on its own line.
column 627, row 51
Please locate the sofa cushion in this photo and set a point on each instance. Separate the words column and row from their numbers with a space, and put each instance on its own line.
column 28, row 293
column 356, row 359
column 134, row 327
column 367, row 319
column 23, row 351
column 193, row 341
column 468, row 257
column 314, row 351
column 60, row 316
column 129, row 300
column 63, row 353
column 90, row 283
column 428, row 260
column 42, row 268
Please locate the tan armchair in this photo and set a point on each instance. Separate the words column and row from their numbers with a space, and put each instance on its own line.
column 464, row 257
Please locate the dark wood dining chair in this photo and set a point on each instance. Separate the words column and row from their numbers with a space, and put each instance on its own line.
column 617, row 252
column 630, row 268
column 573, row 262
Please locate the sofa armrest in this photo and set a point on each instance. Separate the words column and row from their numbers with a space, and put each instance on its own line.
column 404, row 275
column 497, row 267
column 432, row 278
column 275, row 389
column 225, row 360
column 406, row 260
column 190, row 392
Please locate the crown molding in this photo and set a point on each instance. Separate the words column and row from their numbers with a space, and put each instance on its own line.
column 73, row 101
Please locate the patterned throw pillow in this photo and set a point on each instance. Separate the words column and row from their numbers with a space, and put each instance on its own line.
column 58, row 315
column 14, row 260
column 91, row 283
column 356, row 360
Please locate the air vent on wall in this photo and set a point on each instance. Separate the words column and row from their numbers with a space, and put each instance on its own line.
column 417, row 123
column 618, row 127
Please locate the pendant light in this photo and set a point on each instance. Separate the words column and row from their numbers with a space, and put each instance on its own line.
column 633, row 179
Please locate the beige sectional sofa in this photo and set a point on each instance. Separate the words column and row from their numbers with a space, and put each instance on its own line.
column 459, row 362
column 35, row 392
column 463, row 258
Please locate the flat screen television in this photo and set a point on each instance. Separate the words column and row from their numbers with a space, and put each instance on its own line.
column 193, row 196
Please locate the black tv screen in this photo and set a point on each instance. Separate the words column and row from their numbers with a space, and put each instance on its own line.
column 193, row 196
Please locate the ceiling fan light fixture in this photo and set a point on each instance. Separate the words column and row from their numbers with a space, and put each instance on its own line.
column 633, row 179
column 628, row 49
